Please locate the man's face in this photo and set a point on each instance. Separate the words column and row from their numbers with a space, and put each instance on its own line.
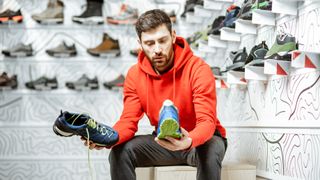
column 157, row 45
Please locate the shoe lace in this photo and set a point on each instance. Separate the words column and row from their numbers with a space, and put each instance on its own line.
column 101, row 129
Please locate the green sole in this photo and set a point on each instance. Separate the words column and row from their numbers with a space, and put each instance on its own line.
column 169, row 127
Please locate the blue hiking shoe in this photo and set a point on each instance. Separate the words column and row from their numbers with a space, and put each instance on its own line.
column 168, row 121
column 69, row 124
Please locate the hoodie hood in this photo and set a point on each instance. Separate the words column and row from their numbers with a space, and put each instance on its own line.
column 182, row 54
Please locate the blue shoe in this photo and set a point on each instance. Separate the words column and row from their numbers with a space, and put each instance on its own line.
column 69, row 124
column 168, row 121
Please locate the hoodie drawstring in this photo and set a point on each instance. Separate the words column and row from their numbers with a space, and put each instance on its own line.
column 174, row 85
column 147, row 94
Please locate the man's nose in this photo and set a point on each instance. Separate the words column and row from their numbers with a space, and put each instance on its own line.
column 157, row 49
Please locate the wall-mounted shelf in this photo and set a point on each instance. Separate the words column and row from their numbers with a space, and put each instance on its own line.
column 263, row 17
column 276, row 67
column 216, row 4
column 255, row 73
column 215, row 41
column 301, row 59
column 203, row 47
column 222, row 84
column 236, row 77
column 245, row 27
column 192, row 18
column 201, row 11
column 285, row 7
column 229, row 34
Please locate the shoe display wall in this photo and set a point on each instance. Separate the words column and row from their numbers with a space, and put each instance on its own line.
column 73, row 55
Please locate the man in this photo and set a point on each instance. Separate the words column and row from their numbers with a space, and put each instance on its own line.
column 167, row 69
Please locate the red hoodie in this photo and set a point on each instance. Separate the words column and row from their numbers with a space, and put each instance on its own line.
column 189, row 84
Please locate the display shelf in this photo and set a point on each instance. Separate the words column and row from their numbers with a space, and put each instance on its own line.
column 285, row 7
column 255, row 73
column 245, row 27
column 302, row 59
column 229, row 34
column 276, row 67
column 236, row 77
column 222, row 84
column 215, row 41
column 216, row 4
column 263, row 17
column 203, row 47
column 192, row 18
column 201, row 11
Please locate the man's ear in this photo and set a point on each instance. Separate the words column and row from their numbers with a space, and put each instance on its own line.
column 174, row 36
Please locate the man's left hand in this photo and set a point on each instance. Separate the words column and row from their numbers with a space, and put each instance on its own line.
column 174, row 144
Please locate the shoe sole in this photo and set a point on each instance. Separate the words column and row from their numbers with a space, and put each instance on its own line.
column 62, row 55
column 84, row 88
column 127, row 21
column 59, row 132
column 50, row 21
column 89, row 20
column 169, row 127
column 17, row 54
column 108, row 54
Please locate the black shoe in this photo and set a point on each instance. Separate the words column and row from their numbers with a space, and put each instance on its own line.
column 84, row 83
column 20, row 50
column 92, row 15
column 216, row 25
column 238, row 59
column 257, row 54
column 9, row 15
column 43, row 83
column 8, row 83
column 63, row 50
column 245, row 11
column 189, row 6
column 118, row 82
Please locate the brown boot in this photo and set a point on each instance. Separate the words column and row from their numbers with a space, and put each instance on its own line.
column 108, row 48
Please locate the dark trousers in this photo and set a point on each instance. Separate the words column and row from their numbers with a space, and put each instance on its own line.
column 143, row 151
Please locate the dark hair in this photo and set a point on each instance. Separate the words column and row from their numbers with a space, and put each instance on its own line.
column 152, row 19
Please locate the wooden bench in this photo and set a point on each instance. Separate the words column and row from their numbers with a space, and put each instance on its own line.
column 229, row 172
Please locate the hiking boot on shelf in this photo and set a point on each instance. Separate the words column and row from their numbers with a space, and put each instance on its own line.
column 20, row 50
column 135, row 52
column 92, row 14
column 238, row 60
column 63, row 50
column 69, row 124
column 257, row 54
column 194, row 39
column 231, row 16
column 118, row 82
column 84, row 83
column 127, row 15
column 189, row 6
column 282, row 47
column 216, row 25
column 43, row 83
column 52, row 15
column 245, row 11
column 9, row 15
column 262, row 4
column 8, row 83
column 108, row 48
column 168, row 124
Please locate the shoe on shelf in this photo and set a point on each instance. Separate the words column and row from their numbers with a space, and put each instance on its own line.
column 8, row 16
column 43, row 83
column 118, row 82
column 20, row 50
column 238, row 60
column 52, row 15
column 109, row 47
column 8, row 83
column 282, row 47
column 189, row 6
column 194, row 39
column 62, row 50
column 92, row 14
column 231, row 16
column 168, row 124
column 257, row 54
column 217, row 24
column 262, row 4
column 216, row 71
column 69, row 124
column 135, row 52
column 84, row 83
column 245, row 11
column 127, row 15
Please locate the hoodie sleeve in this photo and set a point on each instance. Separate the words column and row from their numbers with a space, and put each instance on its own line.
column 204, row 100
column 132, row 112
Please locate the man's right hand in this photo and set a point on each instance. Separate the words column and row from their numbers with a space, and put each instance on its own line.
column 93, row 145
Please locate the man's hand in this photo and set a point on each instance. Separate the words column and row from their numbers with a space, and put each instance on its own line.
column 176, row 144
column 93, row 145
